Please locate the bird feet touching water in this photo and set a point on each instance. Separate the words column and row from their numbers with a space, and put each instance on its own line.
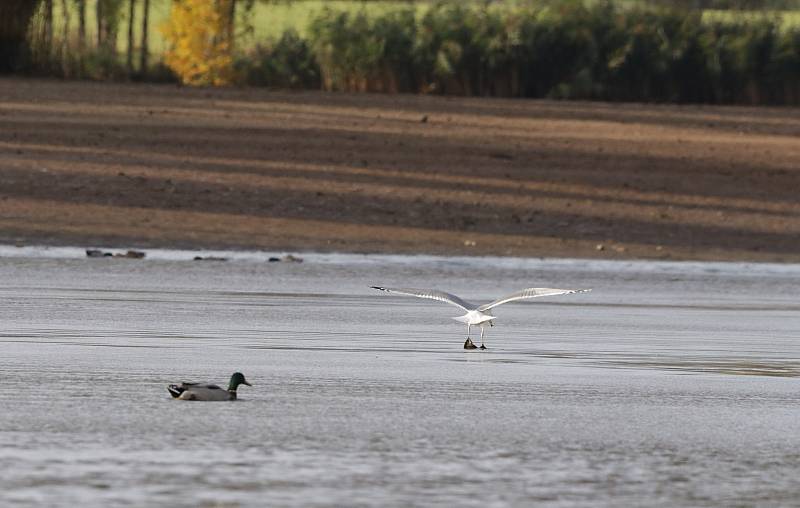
column 468, row 344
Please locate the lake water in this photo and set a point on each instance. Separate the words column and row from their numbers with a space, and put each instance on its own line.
column 671, row 384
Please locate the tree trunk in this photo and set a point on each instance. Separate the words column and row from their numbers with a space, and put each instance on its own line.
column 131, row 41
column 231, row 24
column 100, row 32
column 81, row 36
column 112, row 27
column 144, row 48
column 15, row 18
column 64, row 51
column 47, row 39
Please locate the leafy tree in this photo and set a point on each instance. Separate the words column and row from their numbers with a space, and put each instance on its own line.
column 200, row 33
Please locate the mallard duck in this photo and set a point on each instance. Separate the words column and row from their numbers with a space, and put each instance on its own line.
column 197, row 391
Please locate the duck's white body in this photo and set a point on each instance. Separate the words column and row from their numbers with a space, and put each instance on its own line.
column 478, row 315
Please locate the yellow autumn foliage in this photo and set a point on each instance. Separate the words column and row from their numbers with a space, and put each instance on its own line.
column 200, row 42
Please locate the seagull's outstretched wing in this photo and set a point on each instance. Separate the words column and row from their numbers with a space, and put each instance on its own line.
column 430, row 294
column 530, row 293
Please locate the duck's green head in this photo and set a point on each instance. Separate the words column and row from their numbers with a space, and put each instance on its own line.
column 237, row 379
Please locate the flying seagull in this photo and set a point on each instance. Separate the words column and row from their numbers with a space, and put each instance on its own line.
column 478, row 315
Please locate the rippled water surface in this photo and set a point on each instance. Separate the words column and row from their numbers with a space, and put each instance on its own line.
column 670, row 384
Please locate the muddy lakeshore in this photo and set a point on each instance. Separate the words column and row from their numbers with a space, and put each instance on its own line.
column 162, row 166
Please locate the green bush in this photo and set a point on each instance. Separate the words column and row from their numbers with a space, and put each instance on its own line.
column 454, row 47
column 285, row 63
column 565, row 50
column 558, row 49
column 783, row 70
column 359, row 52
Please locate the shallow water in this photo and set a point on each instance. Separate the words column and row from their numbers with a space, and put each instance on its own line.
column 670, row 384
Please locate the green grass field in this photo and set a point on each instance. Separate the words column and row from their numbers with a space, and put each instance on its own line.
column 789, row 19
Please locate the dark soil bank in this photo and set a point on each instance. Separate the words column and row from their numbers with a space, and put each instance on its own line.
column 141, row 165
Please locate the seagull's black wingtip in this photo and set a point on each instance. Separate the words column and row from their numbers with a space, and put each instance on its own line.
column 378, row 287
